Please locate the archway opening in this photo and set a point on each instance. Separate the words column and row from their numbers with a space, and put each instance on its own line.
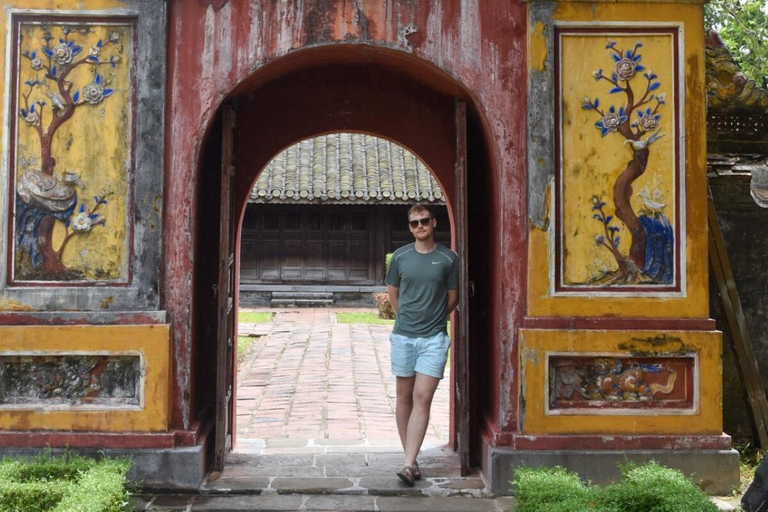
column 314, row 323
column 354, row 89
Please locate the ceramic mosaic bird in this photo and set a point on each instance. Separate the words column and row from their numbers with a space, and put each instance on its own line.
column 639, row 145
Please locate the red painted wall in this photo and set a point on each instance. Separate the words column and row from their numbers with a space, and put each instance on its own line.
column 424, row 51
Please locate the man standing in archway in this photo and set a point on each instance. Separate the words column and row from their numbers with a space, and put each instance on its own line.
column 423, row 285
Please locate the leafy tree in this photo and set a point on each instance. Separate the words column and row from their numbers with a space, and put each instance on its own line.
column 743, row 25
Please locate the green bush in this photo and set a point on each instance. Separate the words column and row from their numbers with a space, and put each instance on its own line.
column 642, row 488
column 69, row 483
column 387, row 259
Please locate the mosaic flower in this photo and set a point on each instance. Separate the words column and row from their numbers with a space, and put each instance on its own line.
column 114, row 37
column 95, row 50
column 31, row 117
column 94, row 92
column 625, row 69
column 82, row 222
column 611, row 121
column 648, row 120
column 62, row 53
column 35, row 61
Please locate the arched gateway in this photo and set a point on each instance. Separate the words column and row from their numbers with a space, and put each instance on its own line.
column 581, row 220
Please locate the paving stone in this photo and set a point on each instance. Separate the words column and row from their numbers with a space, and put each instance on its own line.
column 338, row 442
column 278, row 460
column 341, row 503
column 388, row 472
column 264, row 503
column 293, row 450
column 393, row 486
column 238, row 485
column 450, row 504
column 461, row 483
column 311, row 485
column 271, row 443
column 245, row 471
column 347, row 460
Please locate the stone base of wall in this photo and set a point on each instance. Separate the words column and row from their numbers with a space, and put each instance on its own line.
column 715, row 471
column 180, row 468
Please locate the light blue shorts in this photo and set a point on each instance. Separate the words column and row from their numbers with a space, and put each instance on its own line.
column 424, row 355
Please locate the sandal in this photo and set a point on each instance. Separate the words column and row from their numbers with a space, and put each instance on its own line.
column 406, row 475
column 415, row 471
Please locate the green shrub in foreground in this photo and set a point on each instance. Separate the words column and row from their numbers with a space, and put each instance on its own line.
column 645, row 488
column 69, row 483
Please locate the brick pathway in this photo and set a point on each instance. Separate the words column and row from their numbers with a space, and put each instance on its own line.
column 319, row 383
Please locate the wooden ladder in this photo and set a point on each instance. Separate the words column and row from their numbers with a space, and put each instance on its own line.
column 735, row 323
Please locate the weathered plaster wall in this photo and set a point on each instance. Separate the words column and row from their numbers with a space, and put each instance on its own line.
column 457, row 46
column 576, row 180
column 92, row 377
column 115, row 146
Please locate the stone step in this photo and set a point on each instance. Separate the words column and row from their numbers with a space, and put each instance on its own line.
column 302, row 295
column 301, row 303
column 316, row 502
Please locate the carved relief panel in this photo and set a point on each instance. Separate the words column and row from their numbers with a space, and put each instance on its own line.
column 71, row 154
column 619, row 176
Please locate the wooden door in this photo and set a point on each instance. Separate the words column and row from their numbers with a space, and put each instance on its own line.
column 225, row 289
column 461, row 344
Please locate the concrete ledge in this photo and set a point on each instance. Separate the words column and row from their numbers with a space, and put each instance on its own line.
column 715, row 471
column 161, row 469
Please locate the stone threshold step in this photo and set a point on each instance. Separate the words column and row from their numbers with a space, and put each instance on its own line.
column 302, row 295
column 307, row 303
column 314, row 502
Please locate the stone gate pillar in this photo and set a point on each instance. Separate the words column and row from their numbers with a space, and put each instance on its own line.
column 618, row 359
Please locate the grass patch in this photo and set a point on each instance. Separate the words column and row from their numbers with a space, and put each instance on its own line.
column 69, row 483
column 252, row 317
column 244, row 346
column 643, row 488
column 749, row 458
column 363, row 317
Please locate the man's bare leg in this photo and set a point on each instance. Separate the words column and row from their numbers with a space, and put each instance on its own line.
column 423, row 391
column 403, row 405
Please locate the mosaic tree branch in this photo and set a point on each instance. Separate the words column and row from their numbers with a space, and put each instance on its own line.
column 59, row 206
column 627, row 65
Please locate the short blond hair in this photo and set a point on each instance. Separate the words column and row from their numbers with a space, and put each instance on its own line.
column 418, row 208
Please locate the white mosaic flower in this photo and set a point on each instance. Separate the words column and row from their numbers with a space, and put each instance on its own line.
column 36, row 63
column 114, row 37
column 95, row 50
column 93, row 93
column 62, row 53
column 82, row 223
column 625, row 69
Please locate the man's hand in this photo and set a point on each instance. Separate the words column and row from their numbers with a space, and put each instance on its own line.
column 394, row 297
column 453, row 300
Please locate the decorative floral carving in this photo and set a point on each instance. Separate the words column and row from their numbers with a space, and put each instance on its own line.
column 45, row 196
column 651, row 237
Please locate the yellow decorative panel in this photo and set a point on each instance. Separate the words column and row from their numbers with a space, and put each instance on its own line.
column 621, row 382
column 72, row 149
column 625, row 229
column 86, row 378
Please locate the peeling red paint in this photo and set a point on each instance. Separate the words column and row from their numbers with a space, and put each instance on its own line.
column 462, row 49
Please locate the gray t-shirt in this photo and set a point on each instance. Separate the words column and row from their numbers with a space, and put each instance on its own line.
column 424, row 281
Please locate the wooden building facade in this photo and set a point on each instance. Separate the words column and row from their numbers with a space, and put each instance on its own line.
column 324, row 213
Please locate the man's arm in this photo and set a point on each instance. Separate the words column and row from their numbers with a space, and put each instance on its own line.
column 394, row 296
column 453, row 300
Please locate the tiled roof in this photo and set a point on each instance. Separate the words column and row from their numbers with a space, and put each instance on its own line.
column 346, row 168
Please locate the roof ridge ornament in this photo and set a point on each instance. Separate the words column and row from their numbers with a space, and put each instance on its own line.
column 726, row 86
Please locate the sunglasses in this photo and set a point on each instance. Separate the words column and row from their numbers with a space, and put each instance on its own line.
column 424, row 222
